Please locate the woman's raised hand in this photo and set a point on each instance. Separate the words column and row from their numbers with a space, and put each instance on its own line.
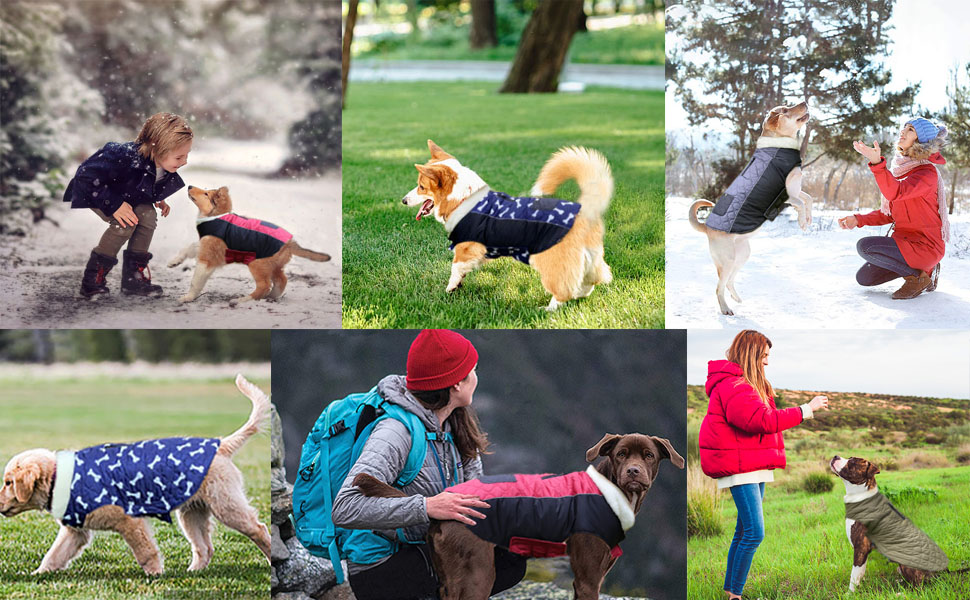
column 819, row 402
column 873, row 154
column 455, row 507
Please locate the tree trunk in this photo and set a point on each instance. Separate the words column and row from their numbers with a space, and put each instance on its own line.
column 835, row 195
column 412, row 13
column 482, row 33
column 828, row 184
column 953, row 190
column 43, row 346
column 543, row 47
column 348, row 39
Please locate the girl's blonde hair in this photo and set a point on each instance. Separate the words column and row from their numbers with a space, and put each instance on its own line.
column 162, row 133
column 748, row 351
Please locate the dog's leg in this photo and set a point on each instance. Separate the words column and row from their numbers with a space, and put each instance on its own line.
column 722, row 252
column 197, row 527
column 589, row 557
column 264, row 283
column 464, row 562
column 279, row 285
column 468, row 257
column 68, row 545
column 199, row 278
column 139, row 537
column 190, row 251
column 861, row 547
column 915, row 577
column 229, row 505
column 741, row 253
column 801, row 201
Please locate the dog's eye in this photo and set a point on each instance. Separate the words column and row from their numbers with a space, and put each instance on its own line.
column 649, row 455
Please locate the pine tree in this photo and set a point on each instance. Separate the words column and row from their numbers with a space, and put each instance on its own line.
column 957, row 120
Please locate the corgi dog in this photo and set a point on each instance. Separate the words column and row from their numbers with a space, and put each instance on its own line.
column 561, row 240
column 225, row 237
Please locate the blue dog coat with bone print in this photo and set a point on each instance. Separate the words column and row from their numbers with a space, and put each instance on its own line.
column 147, row 479
column 516, row 227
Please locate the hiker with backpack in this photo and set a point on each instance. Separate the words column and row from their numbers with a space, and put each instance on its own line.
column 418, row 433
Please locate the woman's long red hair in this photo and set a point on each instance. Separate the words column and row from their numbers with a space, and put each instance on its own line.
column 748, row 350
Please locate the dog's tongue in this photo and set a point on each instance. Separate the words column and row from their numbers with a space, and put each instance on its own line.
column 425, row 209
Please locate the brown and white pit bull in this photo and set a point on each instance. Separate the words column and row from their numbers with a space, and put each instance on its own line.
column 872, row 522
column 608, row 497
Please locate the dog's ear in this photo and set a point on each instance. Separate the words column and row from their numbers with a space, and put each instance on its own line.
column 222, row 192
column 436, row 173
column 667, row 449
column 24, row 479
column 871, row 471
column 437, row 153
column 602, row 447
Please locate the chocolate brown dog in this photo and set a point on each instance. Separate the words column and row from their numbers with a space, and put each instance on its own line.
column 615, row 489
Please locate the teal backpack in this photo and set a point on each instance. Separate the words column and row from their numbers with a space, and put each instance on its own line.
column 331, row 449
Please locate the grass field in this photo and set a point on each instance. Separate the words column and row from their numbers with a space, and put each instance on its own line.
column 633, row 45
column 395, row 268
column 75, row 414
column 805, row 553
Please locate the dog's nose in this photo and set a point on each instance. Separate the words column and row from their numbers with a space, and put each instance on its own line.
column 191, row 188
column 633, row 471
column 404, row 200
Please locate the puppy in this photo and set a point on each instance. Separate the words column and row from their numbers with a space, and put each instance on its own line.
column 546, row 515
column 562, row 240
column 871, row 521
column 772, row 177
column 225, row 237
column 112, row 487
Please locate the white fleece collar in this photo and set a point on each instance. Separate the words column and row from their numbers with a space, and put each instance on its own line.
column 614, row 497
column 778, row 142
column 206, row 219
column 463, row 209
column 62, row 485
column 858, row 493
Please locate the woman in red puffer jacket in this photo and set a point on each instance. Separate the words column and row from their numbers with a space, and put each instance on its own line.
column 741, row 442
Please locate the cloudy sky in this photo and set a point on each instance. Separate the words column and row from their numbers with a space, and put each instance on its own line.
column 928, row 41
column 919, row 363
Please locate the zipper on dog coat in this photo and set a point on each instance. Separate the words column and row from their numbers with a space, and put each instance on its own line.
column 246, row 239
column 147, row 479
column 757, row 194
column 516, row 227
column 533, row 515
column 895, row 536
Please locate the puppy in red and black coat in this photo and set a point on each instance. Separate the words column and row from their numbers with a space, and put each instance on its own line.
column 583, row 515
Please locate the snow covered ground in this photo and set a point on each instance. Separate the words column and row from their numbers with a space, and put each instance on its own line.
column 40, row 274
column 806, row 280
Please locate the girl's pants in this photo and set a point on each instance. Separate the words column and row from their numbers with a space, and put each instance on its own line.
column 884, row 261
column 747, row 535
column 408, row 574
column 117, row 235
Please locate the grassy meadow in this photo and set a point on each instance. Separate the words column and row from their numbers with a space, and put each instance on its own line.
column 921, row 446
column 70, row 414
column 396, row 268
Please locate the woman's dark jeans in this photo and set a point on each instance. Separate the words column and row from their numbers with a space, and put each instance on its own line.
column 408, row 574
column 884, row 261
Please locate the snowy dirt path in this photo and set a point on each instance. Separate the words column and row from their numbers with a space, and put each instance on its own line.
column 40, row 274
column 802, row 280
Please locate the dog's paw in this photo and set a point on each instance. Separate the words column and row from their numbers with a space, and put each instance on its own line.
column 173, row 263
column 186, row 298
column 452, row 287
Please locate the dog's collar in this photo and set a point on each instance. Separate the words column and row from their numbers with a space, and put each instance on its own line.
column 465, row 207
column 206, row 219
column 614, row 497
column 61, row 490
column 778, row 142
column 852, row 498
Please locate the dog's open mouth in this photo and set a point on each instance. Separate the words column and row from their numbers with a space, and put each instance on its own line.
column 425, row 208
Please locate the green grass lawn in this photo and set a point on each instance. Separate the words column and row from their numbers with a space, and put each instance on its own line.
column 75, row 414
column 805, row 553
column 634, row 45
column 395, row 268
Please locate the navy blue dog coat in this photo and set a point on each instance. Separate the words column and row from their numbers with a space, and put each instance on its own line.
column 147, row 479
column 516, row 227
column 757, row 194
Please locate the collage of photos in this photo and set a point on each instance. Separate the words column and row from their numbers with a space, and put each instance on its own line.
column 271, row 273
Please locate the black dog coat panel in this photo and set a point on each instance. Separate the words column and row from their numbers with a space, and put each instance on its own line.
column 147, row 479
column 758, row 192
column 526, row 509
column 516, row 227
column 896, row 537
column 241, row 234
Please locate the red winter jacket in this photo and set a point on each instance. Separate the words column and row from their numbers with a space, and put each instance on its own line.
column 740, row 433
column 914, row 207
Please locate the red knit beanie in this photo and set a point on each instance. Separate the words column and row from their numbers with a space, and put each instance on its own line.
column 438, row 359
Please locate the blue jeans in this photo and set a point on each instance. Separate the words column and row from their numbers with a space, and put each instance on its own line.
column 884, row 261
column 747, row 535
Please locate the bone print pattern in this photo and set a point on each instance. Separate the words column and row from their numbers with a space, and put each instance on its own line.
column 150, row 478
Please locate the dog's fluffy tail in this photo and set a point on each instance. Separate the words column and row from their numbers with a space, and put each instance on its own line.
column 299, row 250
column 692, row 215
column 257, row 418
column 590, row 170
column 371, row 486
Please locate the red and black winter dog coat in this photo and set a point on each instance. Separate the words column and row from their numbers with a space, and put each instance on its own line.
column 533, row 515
column 246, row 239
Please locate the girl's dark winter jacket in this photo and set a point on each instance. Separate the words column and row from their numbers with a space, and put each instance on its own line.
column 741, row 433
column 115, row 174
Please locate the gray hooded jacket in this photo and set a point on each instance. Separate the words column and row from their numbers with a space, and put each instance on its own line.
column 383, row 457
